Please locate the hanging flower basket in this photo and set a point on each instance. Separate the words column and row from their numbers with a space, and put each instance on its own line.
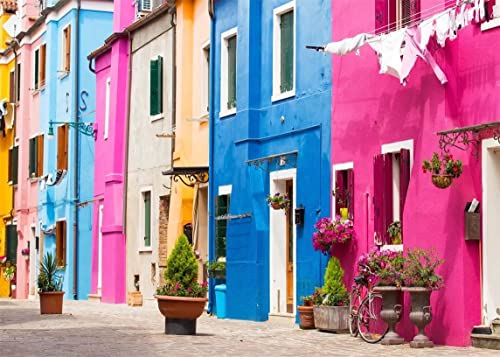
column 278, row 201
column 275, row 205
column 442, row 181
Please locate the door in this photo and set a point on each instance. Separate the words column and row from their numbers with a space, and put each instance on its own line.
column 99, row 264
column 289, row 249
column 491, row 230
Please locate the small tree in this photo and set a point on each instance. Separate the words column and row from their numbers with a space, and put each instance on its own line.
column 334, row 292
column 182, row 266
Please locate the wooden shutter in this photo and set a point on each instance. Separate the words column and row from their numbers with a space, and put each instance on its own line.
column 33, row 157
column 385, row 15
column 154, row 107
column 37, row 68
column 286, row 29
column 11, row 233
column 61, row 243
column 382, row 197
column 340, row 187
column 43, row 54
column 404, row 180
column 414, row 11
column 350, row 192
column 39, row 164
column 12, row 87
column 67, row 48
column 231, row 70
column 147, row 219
column 62, row 147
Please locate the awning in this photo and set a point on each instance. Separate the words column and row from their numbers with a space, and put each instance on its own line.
column 189, row 176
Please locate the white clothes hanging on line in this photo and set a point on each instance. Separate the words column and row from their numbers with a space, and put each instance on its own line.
column 348, row 45
column 388, row 50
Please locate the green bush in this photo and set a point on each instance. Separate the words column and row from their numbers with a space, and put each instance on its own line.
column 333, row 292
column 182, row 266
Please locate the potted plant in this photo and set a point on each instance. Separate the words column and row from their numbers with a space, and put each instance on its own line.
column 306, row 312
column 182, row 299
column 50, row 282
column 217, row 269
column 343, row 200
column 443, row 168
column 383, row 270
column 331, row 309
column 278, row 201
column 394, row 231
column 25, row 253
column 420, row 279
column 331, row 231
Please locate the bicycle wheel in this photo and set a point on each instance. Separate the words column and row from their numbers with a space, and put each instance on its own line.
column 370, row 326
column 353, row 314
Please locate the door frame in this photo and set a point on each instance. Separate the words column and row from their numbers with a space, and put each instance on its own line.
column 276, row 218
column 100, row 221
column 487, row 145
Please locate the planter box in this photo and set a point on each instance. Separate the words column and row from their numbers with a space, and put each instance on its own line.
column 332, row 318
column 134, row 298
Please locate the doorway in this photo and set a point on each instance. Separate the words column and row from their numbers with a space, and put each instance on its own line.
column 491, row 229
column 282, row 246
column 99, row 254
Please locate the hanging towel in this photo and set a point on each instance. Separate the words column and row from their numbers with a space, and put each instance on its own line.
column 348, row 45
column 59, row 176
column 443, row 28
column 388, row 50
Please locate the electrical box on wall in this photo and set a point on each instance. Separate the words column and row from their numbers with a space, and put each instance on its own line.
column 299, row 216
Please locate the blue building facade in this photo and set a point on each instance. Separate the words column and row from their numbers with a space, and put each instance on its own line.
column 270, row 132
column 68, row 96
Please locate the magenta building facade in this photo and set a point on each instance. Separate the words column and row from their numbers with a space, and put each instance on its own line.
column 111, row 63
column 373, row 114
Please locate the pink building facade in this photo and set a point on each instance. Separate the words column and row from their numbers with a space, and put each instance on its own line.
column 373, row 114
column 111, row 63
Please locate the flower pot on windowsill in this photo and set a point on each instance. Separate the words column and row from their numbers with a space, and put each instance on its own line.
column 344, row 213
column 442, row 181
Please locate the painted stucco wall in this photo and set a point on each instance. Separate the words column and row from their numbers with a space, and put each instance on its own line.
column 148, row 155
column 370, row 110
column 257, row 131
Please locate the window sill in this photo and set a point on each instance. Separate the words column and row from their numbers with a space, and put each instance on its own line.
column 63, row 74
column 156, row 117
column 392, row 247
column 227, row 112
column 35, row 92
column 488, row 25
column 145, row 250
column 280, row 96
column 10, row 183
column 34, row 179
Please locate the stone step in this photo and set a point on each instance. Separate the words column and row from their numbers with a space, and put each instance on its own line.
column 94, row 297
column 486, row 341
column 495, row 326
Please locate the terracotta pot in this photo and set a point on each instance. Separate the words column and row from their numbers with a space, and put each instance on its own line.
column 275, row 205
column 332, row 318
column 306, row 315
column 420, row 315
column 392, row 311
column 51, row 302
column 442, row 181
column 176, row 307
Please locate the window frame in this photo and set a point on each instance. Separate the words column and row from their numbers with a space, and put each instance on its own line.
column 107, row 108
column 161, row 113
column 224, row 73
column 277, row 13
column 205, row 72
column 66, row 50
column 143, row 248
column 36, row 70
column 336, row 168
column 225, row 191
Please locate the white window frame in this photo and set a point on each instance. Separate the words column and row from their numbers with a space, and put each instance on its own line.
column 224, row 72
column 142, row 247
column 205, row 73
column 495, row 22
column 225, row 190
column 107, row 108
column 37, row 49
column 277, row 95
column 395, row 148
column 339, row 167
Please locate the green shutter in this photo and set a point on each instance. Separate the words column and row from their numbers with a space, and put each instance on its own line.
column 221, row 208
column 147, row 219
column 160, row 84
column 231, row 70
column 13, row 163
column 33, row 157
column 11, row 233
column 37, row 66
column 153, row 87
column 286, row 28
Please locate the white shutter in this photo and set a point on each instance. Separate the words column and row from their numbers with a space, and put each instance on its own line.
column 145, row 5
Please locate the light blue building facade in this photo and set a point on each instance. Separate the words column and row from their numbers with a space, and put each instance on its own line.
column 270, row 132
column 73, row 30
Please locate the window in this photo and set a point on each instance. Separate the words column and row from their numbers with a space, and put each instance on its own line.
column 42, row 65
column 284, row 51
column 493, row 14
column 205, row 91
column 12, row 86
column 18, row 82
column 228, row 72
column 61, row 243
column 156, row 86
column 343, row 190
column 106, row 113
column 395, row 14
column 11, row 243
column 391, row 180
column 146, row 213
column 62, row 147
column 36, row 71
column 66, row 49
column 222, row 203
column 13, row 164
column 36, row 156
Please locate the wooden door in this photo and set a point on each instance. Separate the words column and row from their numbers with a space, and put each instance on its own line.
column 289, row 249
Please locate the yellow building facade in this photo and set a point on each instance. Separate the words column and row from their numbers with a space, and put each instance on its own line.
column 7, row 66
column 190, row 204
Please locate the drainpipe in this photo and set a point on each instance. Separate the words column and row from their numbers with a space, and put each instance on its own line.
column 14, row 102
column 211, row 130
column 75, row 162
column 173, row 24
column 127, row 134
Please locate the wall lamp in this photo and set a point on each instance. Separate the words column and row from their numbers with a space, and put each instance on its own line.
column 84, row 128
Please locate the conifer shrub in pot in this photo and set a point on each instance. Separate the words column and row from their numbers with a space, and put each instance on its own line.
column 50, row 282
column 182, row 299
column 331, row 310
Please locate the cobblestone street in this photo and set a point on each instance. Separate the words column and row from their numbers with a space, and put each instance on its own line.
column 90, row 329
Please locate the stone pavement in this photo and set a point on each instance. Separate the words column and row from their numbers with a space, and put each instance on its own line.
column 93, row 329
